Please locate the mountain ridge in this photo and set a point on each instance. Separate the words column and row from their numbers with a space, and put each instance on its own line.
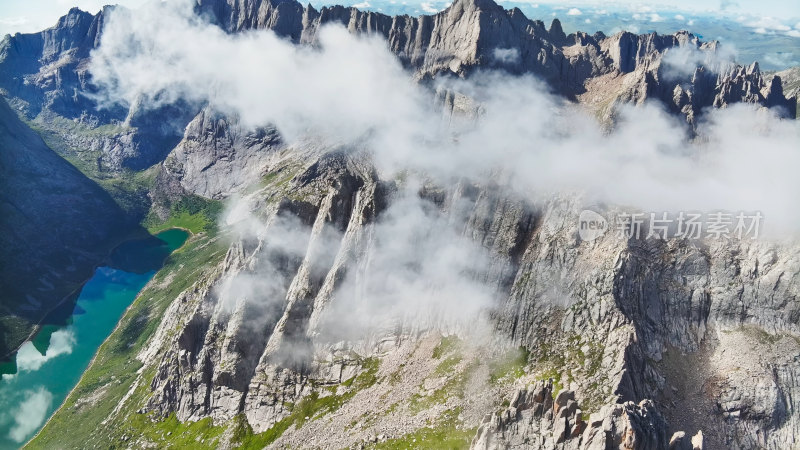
column 460, row 37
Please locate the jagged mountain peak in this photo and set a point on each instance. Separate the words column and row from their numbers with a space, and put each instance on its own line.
column 556, row 32
column 483, row 5
column 469, row 35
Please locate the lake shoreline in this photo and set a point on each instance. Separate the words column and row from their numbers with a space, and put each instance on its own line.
column 76, row 354
column 133, row 236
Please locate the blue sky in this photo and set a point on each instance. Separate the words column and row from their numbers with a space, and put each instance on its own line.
column 777, row 15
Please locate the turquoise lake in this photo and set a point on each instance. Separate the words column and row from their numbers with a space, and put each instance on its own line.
column 46, row 368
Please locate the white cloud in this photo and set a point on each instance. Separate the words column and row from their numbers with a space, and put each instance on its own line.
column 362, row 5
column 764, row 24
column 574, row 12
column 428, row 8
column 793, row 33
column 254, row 59
column 30, row 414
column 655, row 17
column 429, row 284
column 61, row 343
column 680, row 17
column 781, row 59
column 633, row 28
column 587, row 21
column 681, row 62
column 12, row 22
column 506, row 55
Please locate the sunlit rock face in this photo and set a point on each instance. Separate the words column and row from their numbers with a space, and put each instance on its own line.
column 645, row 329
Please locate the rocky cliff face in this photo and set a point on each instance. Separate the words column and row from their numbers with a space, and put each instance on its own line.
column 790, row 82
column 45, row 76
column 641, row 344
column 237, row 156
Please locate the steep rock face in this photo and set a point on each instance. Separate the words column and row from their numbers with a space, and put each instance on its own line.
column 615, row 318
column 231, row 375
column 216, row 155
column 42, row 70
column 55, row 226
column 464, row 36
column 790, row 82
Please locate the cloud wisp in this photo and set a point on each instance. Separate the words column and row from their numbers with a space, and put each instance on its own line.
column 61, row 343
column 681, row 62
column 30, row 414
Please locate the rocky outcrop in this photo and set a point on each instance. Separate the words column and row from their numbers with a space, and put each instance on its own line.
column 217, row 156
column 790, row 83
column 535, row 418
column 790, row 79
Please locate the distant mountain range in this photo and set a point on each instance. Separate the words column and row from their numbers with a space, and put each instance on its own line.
column 774, row 42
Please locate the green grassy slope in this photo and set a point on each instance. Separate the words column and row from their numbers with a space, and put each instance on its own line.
column 112, row 373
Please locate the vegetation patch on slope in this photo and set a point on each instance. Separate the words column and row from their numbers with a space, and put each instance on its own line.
column 191, row 212
column 509, row 366
column 569, row 359
column 313, row 407
column 128, row 188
